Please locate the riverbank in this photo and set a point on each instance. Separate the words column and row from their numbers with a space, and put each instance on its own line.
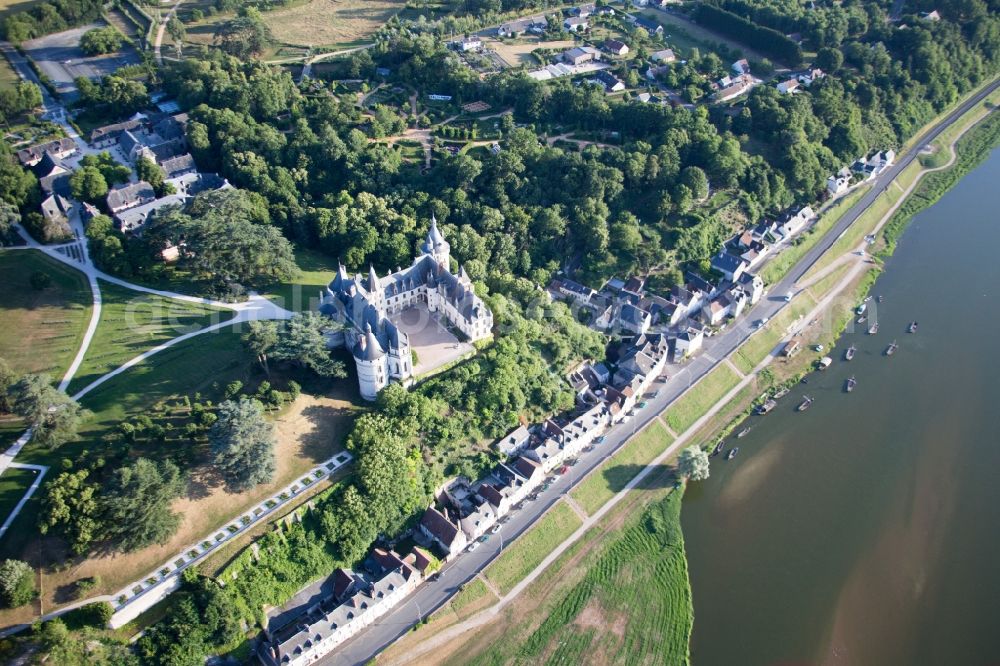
column 819, row 313
column 862, row 520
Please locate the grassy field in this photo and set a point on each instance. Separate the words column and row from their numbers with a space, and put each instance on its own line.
column 631, row 606
column 763, row 341
column 615, row 473
column 689, row 408
column 532, row 547
column 316, row 271
column 325, row 23
column 132, row 323
column 42, row 329
column 14, row 482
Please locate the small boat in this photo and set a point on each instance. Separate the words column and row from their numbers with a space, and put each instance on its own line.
column 891, row 349
column 861, row 308
column 804, row 405
column 862, row 319
column 849, row 354
column 718, row 448
column 766, row 407
column 913, row 327
column 873, row 329
column 732, row 453
column 825, row 362
column 781, row 393
column 743, row 433
column 879, row 299
column 851, row 383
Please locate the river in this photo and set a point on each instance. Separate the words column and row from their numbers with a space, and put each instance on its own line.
column 866, row 531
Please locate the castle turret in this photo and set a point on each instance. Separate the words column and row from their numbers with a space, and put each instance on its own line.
column 370, row 358
column 435, row 244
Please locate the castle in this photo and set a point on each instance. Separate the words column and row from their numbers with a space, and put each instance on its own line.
column 380, row 349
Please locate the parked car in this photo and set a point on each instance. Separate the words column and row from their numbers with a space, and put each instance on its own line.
column 563, row 469
column 789, row 295
column 495, row 528
column 472, row 546
column 600, row 440
column 484, row 538
column 504, row 520
column 572, row 461
column 642, row 405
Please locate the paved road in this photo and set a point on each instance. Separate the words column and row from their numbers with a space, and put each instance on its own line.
column 432, row 595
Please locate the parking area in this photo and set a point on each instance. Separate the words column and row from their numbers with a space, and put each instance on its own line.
column 60, row 58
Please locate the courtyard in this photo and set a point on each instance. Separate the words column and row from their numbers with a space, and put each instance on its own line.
column 434, row 345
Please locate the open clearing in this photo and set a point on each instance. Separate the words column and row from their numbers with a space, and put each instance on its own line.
column 132, row 323
column 42, row 329
column 330, row 22
column 316, row 271
column 518, row 53
column 13, row 484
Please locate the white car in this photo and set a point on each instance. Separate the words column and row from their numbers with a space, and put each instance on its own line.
column 789, row 295
column 472, row 546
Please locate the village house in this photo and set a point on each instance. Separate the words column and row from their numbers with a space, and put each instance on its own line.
column 132, row 219
column 466, row 44
column 56, row 209
column 175, row 167
column 533, row 24
column 108, row 135
column 579, row 55
column 654, row 73
column 665, row 56
column 129, row 196
column 840, row 182
column 443, row 532
column 576, row 24
column 610, row 82
column 650, row 26
column 634, row 319
column 728, row 265
column 60, row 149
column 872, row 167
column 789, row 86
column 514, row 442
column 53, row 175
column 740, row 67
column 565, row 287
column 616, row 47
column 795, row 220
column 733, row 88
column 810, row 76
column 688, row 343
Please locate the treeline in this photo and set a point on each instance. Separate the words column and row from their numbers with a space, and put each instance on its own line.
column 49, row 16
column 766, row 40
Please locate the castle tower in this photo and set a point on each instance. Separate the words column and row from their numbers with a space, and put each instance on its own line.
column 435, row 244
column 376, row 295
column 373, row 374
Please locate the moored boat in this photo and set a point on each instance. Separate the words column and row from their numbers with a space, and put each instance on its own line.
column 718, row 448
column 732, row 453
column 825, row 362
column 781, row 393
column 851, row 383
column 879, row 299
column 913, row 327
column 804, row 405
column 767, row 406
column 849, row 354
column 891, row 349
column 862, row 319
column 743, row 433
column 873, row 329
column 861, row 308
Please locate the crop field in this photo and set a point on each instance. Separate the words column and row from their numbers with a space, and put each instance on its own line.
column 518, row 52
column 632, row 605
column 42, row 328
column 132, row 323
column 532, row 547
column 329, row 23
column 689, row 408
column 614, row 474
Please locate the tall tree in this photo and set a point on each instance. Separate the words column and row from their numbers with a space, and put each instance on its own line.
column 70, row 505
column 17, row 583
column 302, row 341
column 242, row 442
column 53, row 415
column 136, row 504
column 260, row 338
column 693, row 463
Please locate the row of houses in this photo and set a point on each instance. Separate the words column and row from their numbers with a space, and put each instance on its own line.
column 864, row 169
column 356, row 600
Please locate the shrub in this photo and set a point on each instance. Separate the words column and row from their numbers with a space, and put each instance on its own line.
column 17, row 583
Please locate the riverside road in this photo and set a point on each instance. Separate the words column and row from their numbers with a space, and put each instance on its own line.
column 432, row 594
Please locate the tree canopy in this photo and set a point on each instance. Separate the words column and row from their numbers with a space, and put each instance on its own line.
column 136, row 504
column 242, row 441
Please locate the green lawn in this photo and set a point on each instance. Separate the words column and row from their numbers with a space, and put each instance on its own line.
column 316, row 271
column 133, row 322
column 763, row 341
column 615, row 473
column 13, row 484
column 700, row 397
column 41, row 329
column 473, row 591
column 528, row 551
column 632, row 606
